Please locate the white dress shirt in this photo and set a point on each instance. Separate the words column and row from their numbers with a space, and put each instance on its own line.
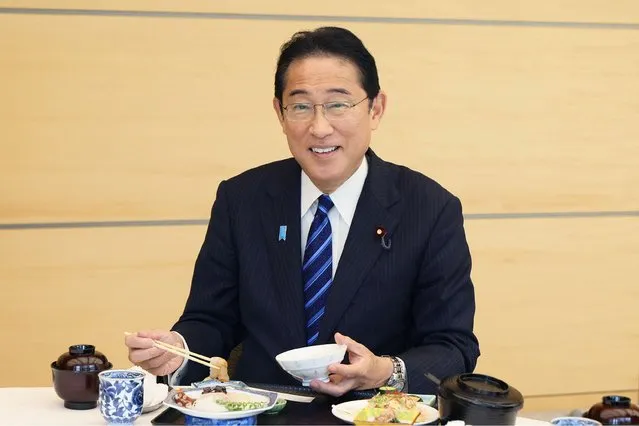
column 341, row 215
column 345, row 200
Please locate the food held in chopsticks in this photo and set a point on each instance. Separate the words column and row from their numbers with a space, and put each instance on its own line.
column 219, row 398
column 219, row 369
column 391, row 406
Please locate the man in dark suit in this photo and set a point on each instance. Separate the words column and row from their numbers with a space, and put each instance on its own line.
column 332, row 245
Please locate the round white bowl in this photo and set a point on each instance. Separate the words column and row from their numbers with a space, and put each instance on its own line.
column 311, row 362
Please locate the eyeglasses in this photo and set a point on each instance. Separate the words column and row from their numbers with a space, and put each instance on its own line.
column 305, row 111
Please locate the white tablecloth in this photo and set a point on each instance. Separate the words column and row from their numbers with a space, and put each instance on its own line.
column 41, row 406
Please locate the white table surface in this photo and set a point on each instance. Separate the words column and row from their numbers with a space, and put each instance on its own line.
column 41, row 406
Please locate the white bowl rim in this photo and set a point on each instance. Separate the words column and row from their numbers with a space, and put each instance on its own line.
column 336, row 349
column 135, row 375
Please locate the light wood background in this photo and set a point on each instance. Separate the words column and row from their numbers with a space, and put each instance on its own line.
column 133, row 118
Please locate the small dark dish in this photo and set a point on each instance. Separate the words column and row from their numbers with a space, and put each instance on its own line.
column 614, row 410
column 478, row 399
column 75, row 376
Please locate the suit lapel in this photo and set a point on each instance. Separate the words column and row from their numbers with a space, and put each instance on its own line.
column 283, row 209
column 363, row 246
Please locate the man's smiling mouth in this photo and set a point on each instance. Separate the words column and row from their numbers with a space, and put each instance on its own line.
column 325, row 150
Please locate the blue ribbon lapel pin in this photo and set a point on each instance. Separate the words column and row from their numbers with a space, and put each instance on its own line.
column 282, row 236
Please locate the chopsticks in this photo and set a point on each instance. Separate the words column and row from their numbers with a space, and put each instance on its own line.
column 192, row 356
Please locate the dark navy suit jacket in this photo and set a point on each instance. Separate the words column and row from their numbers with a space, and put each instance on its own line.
column 414, row 300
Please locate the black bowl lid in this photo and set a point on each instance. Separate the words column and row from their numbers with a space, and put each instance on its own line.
column 480, row 389
column 82, row 358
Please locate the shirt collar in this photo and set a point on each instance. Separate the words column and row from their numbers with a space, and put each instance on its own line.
column 345, row 197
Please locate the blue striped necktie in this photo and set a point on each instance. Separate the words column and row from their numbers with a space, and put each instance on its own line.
column 317, row 269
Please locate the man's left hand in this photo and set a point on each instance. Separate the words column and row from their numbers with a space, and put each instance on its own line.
column 365, row 371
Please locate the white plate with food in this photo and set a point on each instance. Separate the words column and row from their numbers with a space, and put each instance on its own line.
column 220, row 402
column 387, row 408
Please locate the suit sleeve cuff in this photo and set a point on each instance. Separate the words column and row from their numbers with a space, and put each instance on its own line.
column 175, row 378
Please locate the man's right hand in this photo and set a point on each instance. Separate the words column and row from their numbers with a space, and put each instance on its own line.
column 154, row 360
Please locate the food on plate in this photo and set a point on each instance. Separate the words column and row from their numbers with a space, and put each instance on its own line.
column 218, row 398
column 390, row 406
column 213, row 389
column 219, row 369
column 183, row 399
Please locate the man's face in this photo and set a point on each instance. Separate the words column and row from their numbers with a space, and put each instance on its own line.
column 329, row 145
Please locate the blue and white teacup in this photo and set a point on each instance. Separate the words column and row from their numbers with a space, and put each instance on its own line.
column 121, row 395
column 574, row 421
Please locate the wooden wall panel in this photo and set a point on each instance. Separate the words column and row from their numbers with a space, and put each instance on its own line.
column 561, row 10
column 557, row 303
column 516, row 120
column 79, row 286
column 121, row 118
